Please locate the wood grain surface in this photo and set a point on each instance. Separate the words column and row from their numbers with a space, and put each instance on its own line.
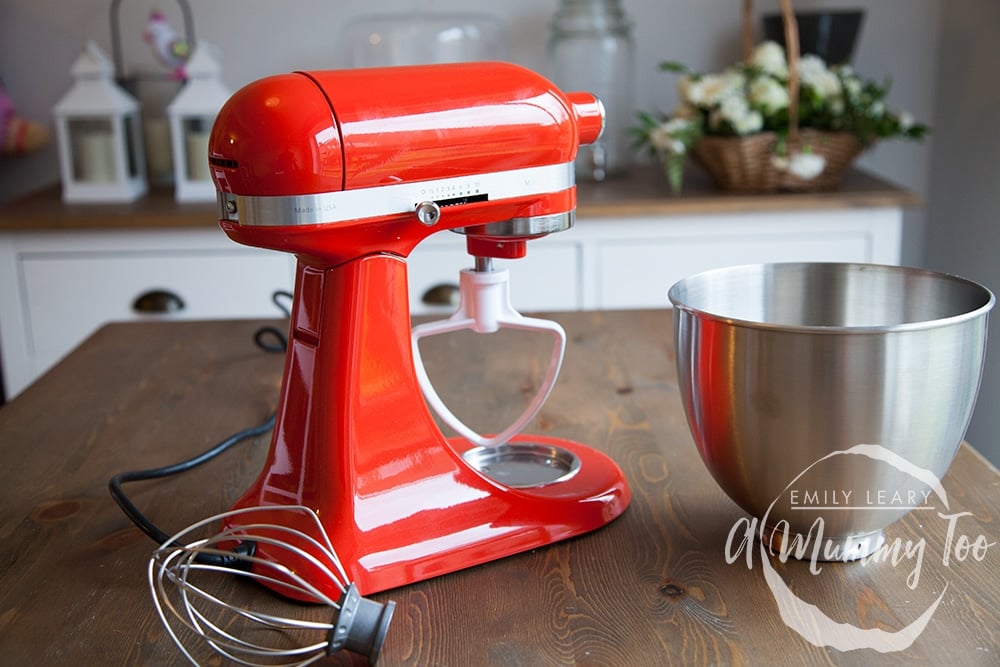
column 652, row 588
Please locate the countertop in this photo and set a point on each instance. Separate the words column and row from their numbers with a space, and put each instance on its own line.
column 659, row 585
column 643, row 191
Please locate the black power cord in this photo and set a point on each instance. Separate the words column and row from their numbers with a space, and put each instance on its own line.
column 133, row 512
column 278, row 343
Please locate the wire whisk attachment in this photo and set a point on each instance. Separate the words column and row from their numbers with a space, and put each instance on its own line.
column 205, row 608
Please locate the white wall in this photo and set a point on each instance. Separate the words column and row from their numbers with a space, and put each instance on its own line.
column 963, row 233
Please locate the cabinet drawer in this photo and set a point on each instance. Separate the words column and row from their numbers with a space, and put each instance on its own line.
column 68, row 295
column 546, row 279
column 639, row 274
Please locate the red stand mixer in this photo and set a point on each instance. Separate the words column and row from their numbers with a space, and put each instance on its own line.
column 350, row 170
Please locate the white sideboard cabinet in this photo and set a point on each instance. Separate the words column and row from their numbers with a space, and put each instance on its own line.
column 66, row 270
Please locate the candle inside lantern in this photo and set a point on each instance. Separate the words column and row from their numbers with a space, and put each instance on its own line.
column 196, row 151
column 96, row 156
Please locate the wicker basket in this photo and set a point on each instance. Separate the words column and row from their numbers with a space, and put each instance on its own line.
column 746, row 164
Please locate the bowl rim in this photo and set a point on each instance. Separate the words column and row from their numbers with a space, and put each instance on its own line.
column 980, row 312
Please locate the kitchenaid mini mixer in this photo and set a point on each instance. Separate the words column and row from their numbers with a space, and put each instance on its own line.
column 350, row 170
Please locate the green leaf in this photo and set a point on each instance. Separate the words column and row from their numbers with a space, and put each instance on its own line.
column 673, row 165
column 674, row 66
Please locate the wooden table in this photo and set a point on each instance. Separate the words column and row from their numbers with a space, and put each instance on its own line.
column 652, row 588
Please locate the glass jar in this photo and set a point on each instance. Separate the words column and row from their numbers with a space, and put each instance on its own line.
column 408, row 38
column 590, row 48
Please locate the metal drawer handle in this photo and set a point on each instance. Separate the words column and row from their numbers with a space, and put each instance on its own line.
column 444, row 294
column 157, row 301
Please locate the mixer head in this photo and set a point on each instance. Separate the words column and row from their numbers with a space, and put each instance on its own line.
column 338, row 164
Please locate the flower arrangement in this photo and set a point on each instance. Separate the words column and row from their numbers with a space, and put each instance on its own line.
column 752, row 97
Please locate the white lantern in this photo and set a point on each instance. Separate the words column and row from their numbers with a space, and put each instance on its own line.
column 192, row 114
column 98, row 132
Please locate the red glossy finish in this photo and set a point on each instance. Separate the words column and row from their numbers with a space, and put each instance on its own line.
column 354, row 439
column 277, row 136
column 505, row 248
column 326, row 131
column 590, row 115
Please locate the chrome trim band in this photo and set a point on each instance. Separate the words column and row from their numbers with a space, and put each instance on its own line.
column 388, row 200
column 522, row 227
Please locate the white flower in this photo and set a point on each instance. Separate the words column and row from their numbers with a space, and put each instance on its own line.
column 697, row 92
column 767, row 93
column 684, row 90
column 666, row 137
column 677, row 125
column 750, row 123
column 814, row 73
column 661, row 139
column 852, row 86
column 711, row 89
column 685, row 111
column 736, row 112
column 806, row 166
column 906, row 120
column 734, row 83
column 770, row 58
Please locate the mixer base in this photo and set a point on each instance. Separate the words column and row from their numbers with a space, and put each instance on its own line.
column 464, row 517
column 550, row 490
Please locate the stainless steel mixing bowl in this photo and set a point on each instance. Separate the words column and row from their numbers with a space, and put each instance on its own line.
column 784, row 368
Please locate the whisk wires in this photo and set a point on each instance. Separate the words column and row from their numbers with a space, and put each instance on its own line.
column 179, row 572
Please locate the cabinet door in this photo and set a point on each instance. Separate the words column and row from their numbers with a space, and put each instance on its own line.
column 638, row 275
column 69, row 295
column 637, row 266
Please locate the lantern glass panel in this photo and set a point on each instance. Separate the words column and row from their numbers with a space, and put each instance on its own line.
column 196, row 131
